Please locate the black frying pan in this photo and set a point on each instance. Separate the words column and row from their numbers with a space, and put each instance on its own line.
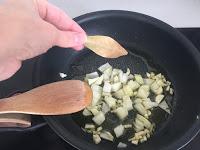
column 153, row 46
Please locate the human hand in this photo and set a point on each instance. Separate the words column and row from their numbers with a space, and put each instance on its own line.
column 29, row 28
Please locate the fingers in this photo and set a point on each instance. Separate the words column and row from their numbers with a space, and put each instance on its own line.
column 57, row 17
column 70, row 39
column 8, row 68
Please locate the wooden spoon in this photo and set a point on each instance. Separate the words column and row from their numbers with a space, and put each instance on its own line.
column 105, row 46
column 64, row 97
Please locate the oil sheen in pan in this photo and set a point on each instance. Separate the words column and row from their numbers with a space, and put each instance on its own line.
column 137, row 62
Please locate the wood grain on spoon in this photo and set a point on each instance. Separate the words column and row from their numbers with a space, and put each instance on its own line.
column 105, row 46
column 64, row 97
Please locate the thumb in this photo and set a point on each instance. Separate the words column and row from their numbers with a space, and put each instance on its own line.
column 69, row 39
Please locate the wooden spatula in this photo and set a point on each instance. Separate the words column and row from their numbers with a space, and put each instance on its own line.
column 105, row 46
column 64, row 97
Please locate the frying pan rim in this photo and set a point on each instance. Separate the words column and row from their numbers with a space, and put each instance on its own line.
column 194, row 130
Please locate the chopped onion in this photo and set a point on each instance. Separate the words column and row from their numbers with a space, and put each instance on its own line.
column 159, row 98
column 116, row 79
column 163, row 105
column 107, row 136
column 119, row 130
column 92, row 75
column 148, row 81
column 86, row 112
column 96, row 139
column 108, row 73
column 146, row 122
column 148, row 104
column 127, row 103
column 139, row 79
column 62, row 75
column 143, row 91
column 121, row 112
column 91, row 81
column 127, row 90
column 110, row 101
column 119, row 94
column 121, row 145
column 123, row 77
column 116, row 86
column 94, row 110
column 89, row 126
column 126, row 126
column 99, row 118
column 105, row 108
column 140, row 108
column 138, row 100
column 107, row 87
column 133, row 85
column 104, row 67
column 99, row 81
column 135, row 142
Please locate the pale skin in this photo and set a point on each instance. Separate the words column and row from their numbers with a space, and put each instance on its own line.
column 29, row 28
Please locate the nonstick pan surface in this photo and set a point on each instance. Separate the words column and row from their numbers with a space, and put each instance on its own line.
column 153, row 46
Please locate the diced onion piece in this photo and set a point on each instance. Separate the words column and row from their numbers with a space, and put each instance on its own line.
column 143, row 139
column 159, row 98
column 92, row 75
column 135, row 142
column 119, row 94
column 96, row 88
column 115, row 72
column 133, row 85
column 128, row 71
column 99, row 128
column 89, row 126
column 99, row 81
column 116, row 86
column 148, row 81
column 146, row 122
column 91, row 81
column 159, row 91
column 116, row 79
column 127, row 90
column 119, row 130
column 121, row 145
column 96, row 98
column 105, row 108
column 107, row 87
column 107, row 73
column 121, row 112
column 99, row 118
column 127, row 103
column 171, row 91
column 104, row 67
column 62, row 75
column 126, row 126
column 123, row 77
column 137, row 100
column 148, row 104
column 130, row 76
column 139, row 79
column 106, row 94
column 140, row 108
column 110, row 101
column 143, row 91
column 106, row 135
column 94, row 110
column 163, row 105
column 96, row 138
column 86, row 112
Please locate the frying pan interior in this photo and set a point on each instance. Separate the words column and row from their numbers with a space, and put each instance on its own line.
column 152, row 46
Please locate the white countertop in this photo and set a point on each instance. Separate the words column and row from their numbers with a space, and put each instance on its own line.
column 178, row 13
